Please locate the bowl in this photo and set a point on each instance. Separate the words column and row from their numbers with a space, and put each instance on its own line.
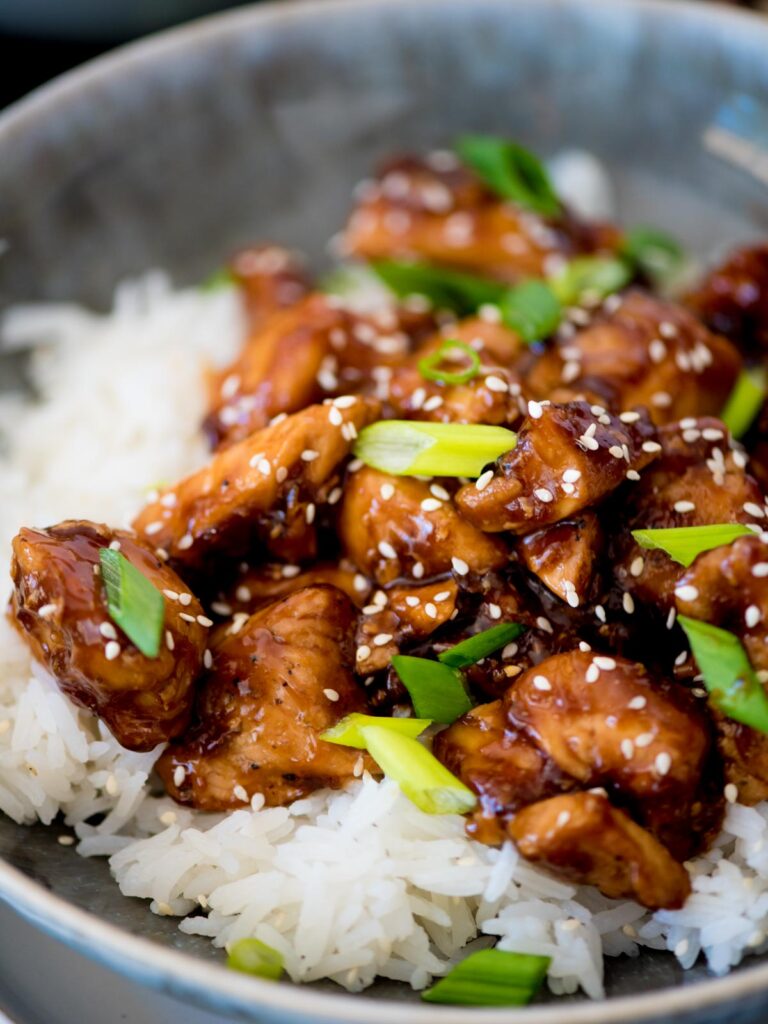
column 257, row 123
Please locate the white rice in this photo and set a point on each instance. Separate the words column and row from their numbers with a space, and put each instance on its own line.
column 348, row 885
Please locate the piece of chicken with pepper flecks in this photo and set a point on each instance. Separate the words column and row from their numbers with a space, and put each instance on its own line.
column 60, row 607
column 274, row 687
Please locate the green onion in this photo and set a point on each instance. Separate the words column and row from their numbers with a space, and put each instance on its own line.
column 745, row 401
column 348, row 732
column 445, row 289
column 590, row 277
column 135, row 604
column 728, row 675
column 479, row 646
column 221, row 278
column 655, row 254
column 532, row 309
column 428, row 366
column 684, row 543
column 491, row 977
column 511, row 171
column 421, row 777
column 413, row 448
column 437, row 691
column 252, row 956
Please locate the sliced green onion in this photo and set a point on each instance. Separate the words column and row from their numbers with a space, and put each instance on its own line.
column 221, row 278
column 728, row 675
column 445, row 289
column 479, row 646
column 511, row 171
column 491, row 977
column 655, row 254
column 745, row 401
column 591, row 277
column 437, row 691
column 413, row 448
column 134, row 604
column 684, row 543
column 429, row 365
column 421, row 777
column 532, row 309
column 348, row 732
column 252, row 956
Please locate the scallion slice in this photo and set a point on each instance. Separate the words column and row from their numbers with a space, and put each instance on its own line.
column 531, row 309
column 592, row 277
column 421, row 777
column 218, row 279
column 745, row 401
column 728, row 675
column 445, row 289
column 429, row 366
column 654, row 253
column 479, row 646
column 437, row 691
column 511, row 171
column 134, row 604
column 491, row 977
column 684, row 543
column 413, row 448
column 252, row 956
column 348, row 732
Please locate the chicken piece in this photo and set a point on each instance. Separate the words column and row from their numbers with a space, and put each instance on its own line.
column 606, row 722
column 567, row 458
column 436, row 210
column 503, row 766
column 491, row 397
column 302, row 355
column 564, row 557
column 59, row 606
column 699, row 479
column 270, row 278
column 274, row 687
column 267, row 488
column 644, row 352
column 262, row 584
column 745, row 755
column 395, row 527
column 583, row 837
column 732, row 299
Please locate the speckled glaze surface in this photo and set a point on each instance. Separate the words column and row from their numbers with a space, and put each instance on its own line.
column 256, row 124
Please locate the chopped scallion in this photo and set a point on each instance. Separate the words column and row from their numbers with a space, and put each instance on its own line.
column 491, row 977
column 252, row 956
column 728, row 675
column 592, row 277
column 437, row 691
column 652, row 252
column 429, row 366
column 511, row 171
column 745, row 401
column 531, row 309
column 134, row 603
column 684, row 543
column 348, row 732
column 479, row 646
column 413, row 448
column 221, row 278
column 445, row 289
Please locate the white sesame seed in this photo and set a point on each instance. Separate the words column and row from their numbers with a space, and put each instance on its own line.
column 382, row 639
column 360, row 583
column 459, row 566
column 494, row 610
column 66, row 840
column 309, row 455
column 629, row 930
column 439, row 492
column 588, row 442
column 153, row 528
column 636, row 568
column 418, row 570
column 663, row 762
column 331, row 694
column 264, row 466
column 687, row 592
column 657, row 350
column 108, row 630
column 712, row 434
column 484, row 479
column 535, row 410
column 203, row 620
column 604, row 663
column 417, row 398
column 431, row 504
column 170, row 643
column 309, row 513
column 627, row 749
column 570, row 476
column 569, row 489
column 752, row 616
column 543, row 623
column 281, row 474
column 186, row 542
column 544, row 495
column 600, row 612
column 645, row 739
column 509, row 651
column 562, row 819
column 239, row 792
column 111, row 785
column 584, row 646
column 179, row 774
column 542, row 683
column 334, row 417
column 112, row 650
column 691, row 436
column 572, row 597
column 616, row 451
column 684, row 506
column 344, row 401
column 207, row 658
column 628, row 603
column 429, row 610
column 185, row 599
column 637, row 703
column 731, row 793
column 114, row 545
column 442, row 596
column 760, row 569
column 672, row 615
column 667, row 329
column 629, row 417
column 186, row 617
column 363, row 652
column 632, row 474
column 412, row 601
column 753, row 510
column 593, row 673
column 571, row 370
column 651, row 447
column 171, row 595
column 386, row 549
column 494, row 383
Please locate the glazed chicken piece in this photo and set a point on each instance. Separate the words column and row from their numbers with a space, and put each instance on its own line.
column 59, row 606
column 436, row 210
column 643, row 352
column 277, row 684
column 567, row 458
column 270, row 278
column 395, row 527
column 606, row 722
column 564, row 556
column 732, row 299
column 267, row 489
column 585, row 838
column 502, row 765
column 491, row 397
column 304, row 354
column 262, row 584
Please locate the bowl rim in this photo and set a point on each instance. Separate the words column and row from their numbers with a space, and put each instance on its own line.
column 209, row 983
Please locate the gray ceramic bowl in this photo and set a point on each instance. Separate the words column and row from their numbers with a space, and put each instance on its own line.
column 257, row 123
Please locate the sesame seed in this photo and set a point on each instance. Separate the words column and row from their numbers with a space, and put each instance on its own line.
column 459, row 566
column 671, row 617
column 179, row 774
column 752, row 616
column 309, row 513
column 562, row 819
column 344, row 401
column 544, row 623
column 544, row 495
column 170, row 643
column 112, row 650
column 628, row 602
column 637, row 703
column 651, row 447
column 264, row 466
column 645, row 739
column 569, row 489
column 386, row 549
column 636, row 568
column 243, row 593
column 657, row 350
column 629, row 417
column 439, row 492
column 570, row 476
column 663, row 762
column 429, row 610
column 494, row 610
column 629, row 931
column 760, row 569
column 360, row 583
column 542, row 683
column 412, row 601
column 627, row 749
column 186, row 542
column 691, row 436
column 363, row 652
column 46, row 611
column 114, row 545
column 442, row 596
column 753, row 510
column 111, row 786
column 600, row 612
column 667, row 329
column 731, row 793
column 185, row 599
column 588, row 442
column 168, row 818
column 632, row 474
column 238, row 621
column 309, row 455
column 687, row 592
column 684, row 506
column 331, row 694
column 509, row 651
column 572, row 597
column 616, row 451
column 570, row 371
column 431, row 504
column 239, row 793
column 535, row 410
column 281, row 474
column 382, row 639
column 153, row 528
column 494, row 383
column 712, row 434
column 186, row 617
column 592, row 674
column 207, row 658
column 418, row 570
column 171, row 595
column 108, row 630
column 484, row 479
column 418, row 397
column 661, row 399
column 584, row 646
column 66, row 840
column 604, row 663
column 203, row 620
